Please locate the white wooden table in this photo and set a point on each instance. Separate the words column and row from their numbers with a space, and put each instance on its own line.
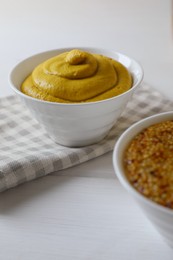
column 83, row 212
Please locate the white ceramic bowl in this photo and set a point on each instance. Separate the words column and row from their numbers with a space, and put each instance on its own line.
column 75, row 125
column 160, row 216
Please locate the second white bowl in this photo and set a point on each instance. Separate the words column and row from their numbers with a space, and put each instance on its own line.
column 160, row 216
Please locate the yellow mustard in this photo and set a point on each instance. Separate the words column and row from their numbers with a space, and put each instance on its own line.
column 77, row 76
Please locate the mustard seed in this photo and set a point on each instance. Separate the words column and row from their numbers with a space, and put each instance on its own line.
column 148, row 163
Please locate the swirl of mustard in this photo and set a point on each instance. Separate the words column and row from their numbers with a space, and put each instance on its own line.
column 77, row 76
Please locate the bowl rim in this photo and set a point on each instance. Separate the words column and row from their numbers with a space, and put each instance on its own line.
column 117, row 163
column 75, row 104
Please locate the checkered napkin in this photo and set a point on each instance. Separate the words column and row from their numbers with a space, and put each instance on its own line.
column 26, row 151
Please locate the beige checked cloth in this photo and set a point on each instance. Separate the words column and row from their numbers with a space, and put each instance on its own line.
column 26, row 151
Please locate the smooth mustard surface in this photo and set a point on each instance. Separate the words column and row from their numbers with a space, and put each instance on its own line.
column 77, row 76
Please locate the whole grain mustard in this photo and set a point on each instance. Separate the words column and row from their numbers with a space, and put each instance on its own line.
column 77, row 76
column 148, row 163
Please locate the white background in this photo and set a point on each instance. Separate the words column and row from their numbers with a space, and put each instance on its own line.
column 141, row 29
